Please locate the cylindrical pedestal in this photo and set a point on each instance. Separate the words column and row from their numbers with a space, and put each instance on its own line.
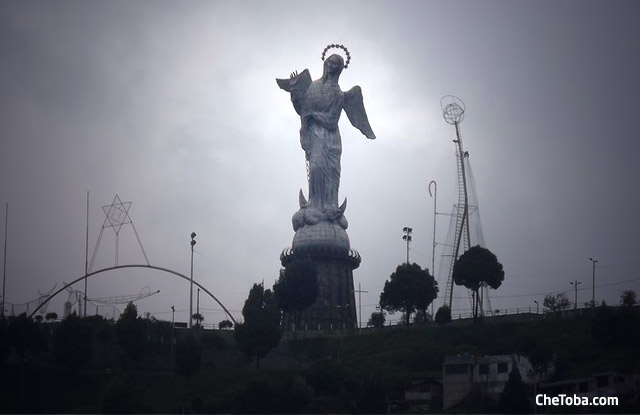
column 335, row 306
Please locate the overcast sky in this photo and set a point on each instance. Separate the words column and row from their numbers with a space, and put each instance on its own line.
column 174, row 106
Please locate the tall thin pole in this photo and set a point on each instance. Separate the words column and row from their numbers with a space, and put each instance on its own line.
column 433, row 247
column 4, row 262
column 359, row 291
column 86, row 258
column 198, row 307
column 593, row 293
column 193, row 242
column 173, row 325
column 575, row 286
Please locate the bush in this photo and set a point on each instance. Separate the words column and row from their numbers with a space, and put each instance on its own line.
column 443, row 315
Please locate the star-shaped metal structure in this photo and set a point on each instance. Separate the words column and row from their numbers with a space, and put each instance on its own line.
column 117, row 214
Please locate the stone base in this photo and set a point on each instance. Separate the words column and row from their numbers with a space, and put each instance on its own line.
column 335, row 307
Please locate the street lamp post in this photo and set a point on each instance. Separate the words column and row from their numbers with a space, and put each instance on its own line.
column 407, row 237
column 593, row 293
column 575, row 286
column 193, row 242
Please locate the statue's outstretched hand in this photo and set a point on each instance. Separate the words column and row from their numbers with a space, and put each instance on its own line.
column 294, row 74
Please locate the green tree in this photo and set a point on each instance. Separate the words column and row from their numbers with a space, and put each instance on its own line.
column 72, row 342
column 514, row 397
column 25, row 336
column 541, row 358
column 51, row 317
column 421, row 317
column 130, row 333
column 260, row 331
column 556, row 303
column 199, row 318
column 225, row 324
column 5, row 349
column 188, row 355
column 296, row 289
column 443, row 315
column 409, row 288
column 376, row 320
column 628, row 298
column 477, row 268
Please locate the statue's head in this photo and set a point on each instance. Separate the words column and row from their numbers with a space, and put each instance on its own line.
column 333, row 66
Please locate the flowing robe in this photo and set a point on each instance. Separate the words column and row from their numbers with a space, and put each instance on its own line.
column 320, row 111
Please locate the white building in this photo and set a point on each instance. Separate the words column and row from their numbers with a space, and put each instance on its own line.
column 488, row 374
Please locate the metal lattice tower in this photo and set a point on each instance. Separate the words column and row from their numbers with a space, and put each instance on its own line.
column 77, row 296
column 465, row 221
column 117, row 215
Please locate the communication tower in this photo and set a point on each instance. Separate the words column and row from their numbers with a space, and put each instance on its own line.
column 465, row 229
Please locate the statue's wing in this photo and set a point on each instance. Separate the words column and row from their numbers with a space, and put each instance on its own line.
column 354, row 107
column 297, row 86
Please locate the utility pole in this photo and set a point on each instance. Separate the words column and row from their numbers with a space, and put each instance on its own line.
column 198, row 308
column 359, row 291
column 193, row 242
column 173, row 325
column 407, row 237
column 433, row 247
column 86, row 258
column 593, row 293
column 4, row 262
column 575, row 286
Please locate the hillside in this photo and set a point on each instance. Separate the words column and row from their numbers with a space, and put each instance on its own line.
column 340, row 372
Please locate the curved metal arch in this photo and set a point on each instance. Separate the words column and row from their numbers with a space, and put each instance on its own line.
column 134, row 266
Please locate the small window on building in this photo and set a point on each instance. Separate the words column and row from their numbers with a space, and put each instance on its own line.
column 456, row 369
column 603, row 381
column 503, row 367
column 483, row 369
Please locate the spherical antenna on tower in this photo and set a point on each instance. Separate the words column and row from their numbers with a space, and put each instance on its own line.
column 452, row 109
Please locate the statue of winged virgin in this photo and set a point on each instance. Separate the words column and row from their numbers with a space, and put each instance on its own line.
column 319, row 104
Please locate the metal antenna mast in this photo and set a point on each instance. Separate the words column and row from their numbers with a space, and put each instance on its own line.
column 453, row 112
column 463, row 232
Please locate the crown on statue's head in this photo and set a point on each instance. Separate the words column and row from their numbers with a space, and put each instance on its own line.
column 334, row 46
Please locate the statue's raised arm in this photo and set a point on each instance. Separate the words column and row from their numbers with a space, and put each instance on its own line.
column 297, row 85
column 319, row 104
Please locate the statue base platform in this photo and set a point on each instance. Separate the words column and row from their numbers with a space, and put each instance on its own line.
column 326, row 245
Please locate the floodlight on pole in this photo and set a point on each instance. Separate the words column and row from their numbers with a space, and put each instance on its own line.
column 593, row 292
column 407, row 237
column 193, row 242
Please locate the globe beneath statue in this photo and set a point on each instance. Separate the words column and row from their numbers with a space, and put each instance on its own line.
column 321, row 237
